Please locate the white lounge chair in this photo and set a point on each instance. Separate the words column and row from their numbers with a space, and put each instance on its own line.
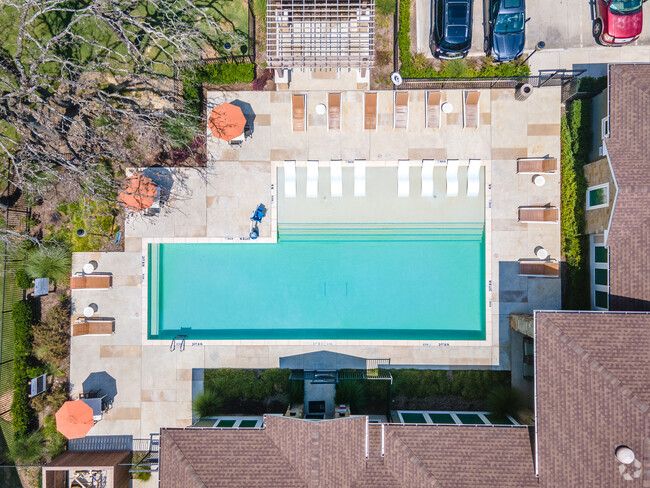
column 403, row 170
column 427, row 177
column 359, row 178
column 312, row 179
column 452, row 177
column 290, row 179
column 337, row 178
column 473, row 177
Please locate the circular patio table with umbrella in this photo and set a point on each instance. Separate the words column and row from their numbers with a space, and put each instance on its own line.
column 138, row 193
column 74, row 419
column 227, row 121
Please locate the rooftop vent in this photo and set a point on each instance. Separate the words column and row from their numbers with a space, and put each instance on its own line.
column 624, row 454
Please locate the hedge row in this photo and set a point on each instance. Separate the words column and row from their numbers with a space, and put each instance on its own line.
column 470, row 384
column 22, row 415
column 450, row 69
column 247, row 383
column 215, row 74
column 575, row 138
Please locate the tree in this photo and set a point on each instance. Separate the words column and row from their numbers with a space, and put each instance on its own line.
column 87, row 84
column 207, row 404
column 52, row 262
column 28, row 449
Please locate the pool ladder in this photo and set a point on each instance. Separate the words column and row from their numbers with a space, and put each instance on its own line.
column 181, row 348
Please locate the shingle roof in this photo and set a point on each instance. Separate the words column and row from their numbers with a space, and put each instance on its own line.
column 629, row 153
column 593, row 388
column 295, row 453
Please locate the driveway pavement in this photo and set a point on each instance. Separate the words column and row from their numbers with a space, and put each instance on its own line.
column 562, row 24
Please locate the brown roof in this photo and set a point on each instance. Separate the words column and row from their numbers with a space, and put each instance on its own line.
column 296, row 453
column 629, row 153
column 593, row 389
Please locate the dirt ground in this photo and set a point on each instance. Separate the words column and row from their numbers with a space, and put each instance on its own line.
column 384, row 51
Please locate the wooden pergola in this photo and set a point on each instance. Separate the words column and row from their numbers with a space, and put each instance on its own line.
column 320, row 34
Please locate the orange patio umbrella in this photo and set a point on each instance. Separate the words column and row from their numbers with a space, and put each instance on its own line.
column 74, row 419
column 138, row 193
column 227, row 121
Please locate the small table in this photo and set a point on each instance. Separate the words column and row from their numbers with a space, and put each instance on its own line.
column 89, row 312
column 447, row 107
column 96, row 405
column 539, row 180
column 88, row 268
column 321, row 109
column 542, row 253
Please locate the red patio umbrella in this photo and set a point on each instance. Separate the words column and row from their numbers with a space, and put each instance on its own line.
column 74, row 419
column 227, row 121
column 138, row 193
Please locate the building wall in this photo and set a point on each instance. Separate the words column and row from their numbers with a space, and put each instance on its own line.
column 598, row 173
column 598, row 112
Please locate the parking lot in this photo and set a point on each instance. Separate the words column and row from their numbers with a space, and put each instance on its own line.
column 561, row 24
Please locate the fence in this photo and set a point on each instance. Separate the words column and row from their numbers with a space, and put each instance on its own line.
column 16, row 213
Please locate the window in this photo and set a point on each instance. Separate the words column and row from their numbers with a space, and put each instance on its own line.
column 604, row 127
column 599, row 264
column 598, row 196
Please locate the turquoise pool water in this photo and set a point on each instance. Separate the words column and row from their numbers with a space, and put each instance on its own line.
column 372, row 282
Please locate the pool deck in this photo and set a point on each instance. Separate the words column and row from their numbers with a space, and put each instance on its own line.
column 214, row 205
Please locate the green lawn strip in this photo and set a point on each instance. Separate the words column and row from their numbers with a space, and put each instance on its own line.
column 417, row 66
column 575, row 140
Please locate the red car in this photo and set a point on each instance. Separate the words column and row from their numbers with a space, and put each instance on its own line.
column 618, row 21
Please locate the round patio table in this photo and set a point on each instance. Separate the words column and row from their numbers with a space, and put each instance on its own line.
column 542, row 253
column 447, row 107
column 89, row 312
column 539, row 180
column 321, row 109
column 88, row 268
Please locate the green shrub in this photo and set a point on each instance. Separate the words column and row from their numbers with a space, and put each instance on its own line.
column 590, row 84
column 385, row 7
column 50, row 262
column 142, row 475
column 55, row 441
column 28, row 448
column 575, row 136
column 21, row 413
column 259, row 9
column 180, row 131
column 247, row 383
column 504, row 400
column 353, row 393
column 425, row 383
column 208, row 403
column 23, row 281
column 52, row 337
column 50, row 400
column 296, row 392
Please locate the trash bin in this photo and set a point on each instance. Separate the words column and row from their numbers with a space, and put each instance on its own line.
column 523, row 91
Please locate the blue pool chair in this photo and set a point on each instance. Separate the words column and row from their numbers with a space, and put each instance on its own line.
column 258, row 215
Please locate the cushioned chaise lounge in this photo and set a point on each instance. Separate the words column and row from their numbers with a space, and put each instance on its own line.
column 542, row 269
column 433, row 109
column 470, row 109
column 536, row 165
column 298, row 106
column 334, row 111
column 401, row 111
column 539, row 214
column 90, row 282
column 93, row 327
column 370, row 111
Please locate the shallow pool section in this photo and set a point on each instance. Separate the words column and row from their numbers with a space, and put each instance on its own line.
column 346, row 282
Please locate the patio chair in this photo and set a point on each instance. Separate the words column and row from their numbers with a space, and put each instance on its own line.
column 336, row 173
column 547, row 215
column 298, row 115
column 401, row 110
column 360, row 178
column 432, row 110
column 312, row 179
column 539, row 269
column 470, row 109
column 427, row 177
column 370, row 111
column 290, row 179
column 334, row 111
column 91, row 282
column 452, row 178
column 258, row 215
column 93, row 327
column 536, row 165
column 473, row 177
column 403, row 170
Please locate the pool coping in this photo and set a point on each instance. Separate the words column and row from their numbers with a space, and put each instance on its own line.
column 488, row 341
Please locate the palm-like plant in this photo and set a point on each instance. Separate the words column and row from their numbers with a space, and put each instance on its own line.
column 52, row 262
column 207, row 404
column 28, row 449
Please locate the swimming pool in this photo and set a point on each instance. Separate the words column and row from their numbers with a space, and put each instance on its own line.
column 348, row 282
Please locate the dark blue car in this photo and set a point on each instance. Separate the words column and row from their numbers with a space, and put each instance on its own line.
column 451, row 28
column 506, row 34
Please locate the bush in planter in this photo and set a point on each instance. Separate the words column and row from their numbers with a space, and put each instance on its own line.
column 23, row 281
column 52, row 336
column 21, row 413
column 27, row 448
column 208, row 403
column 53, row 263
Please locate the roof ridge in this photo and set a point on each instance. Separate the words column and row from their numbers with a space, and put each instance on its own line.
column 416, row 460
column 600, row 369
column 281, row 452
column 182, row 459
